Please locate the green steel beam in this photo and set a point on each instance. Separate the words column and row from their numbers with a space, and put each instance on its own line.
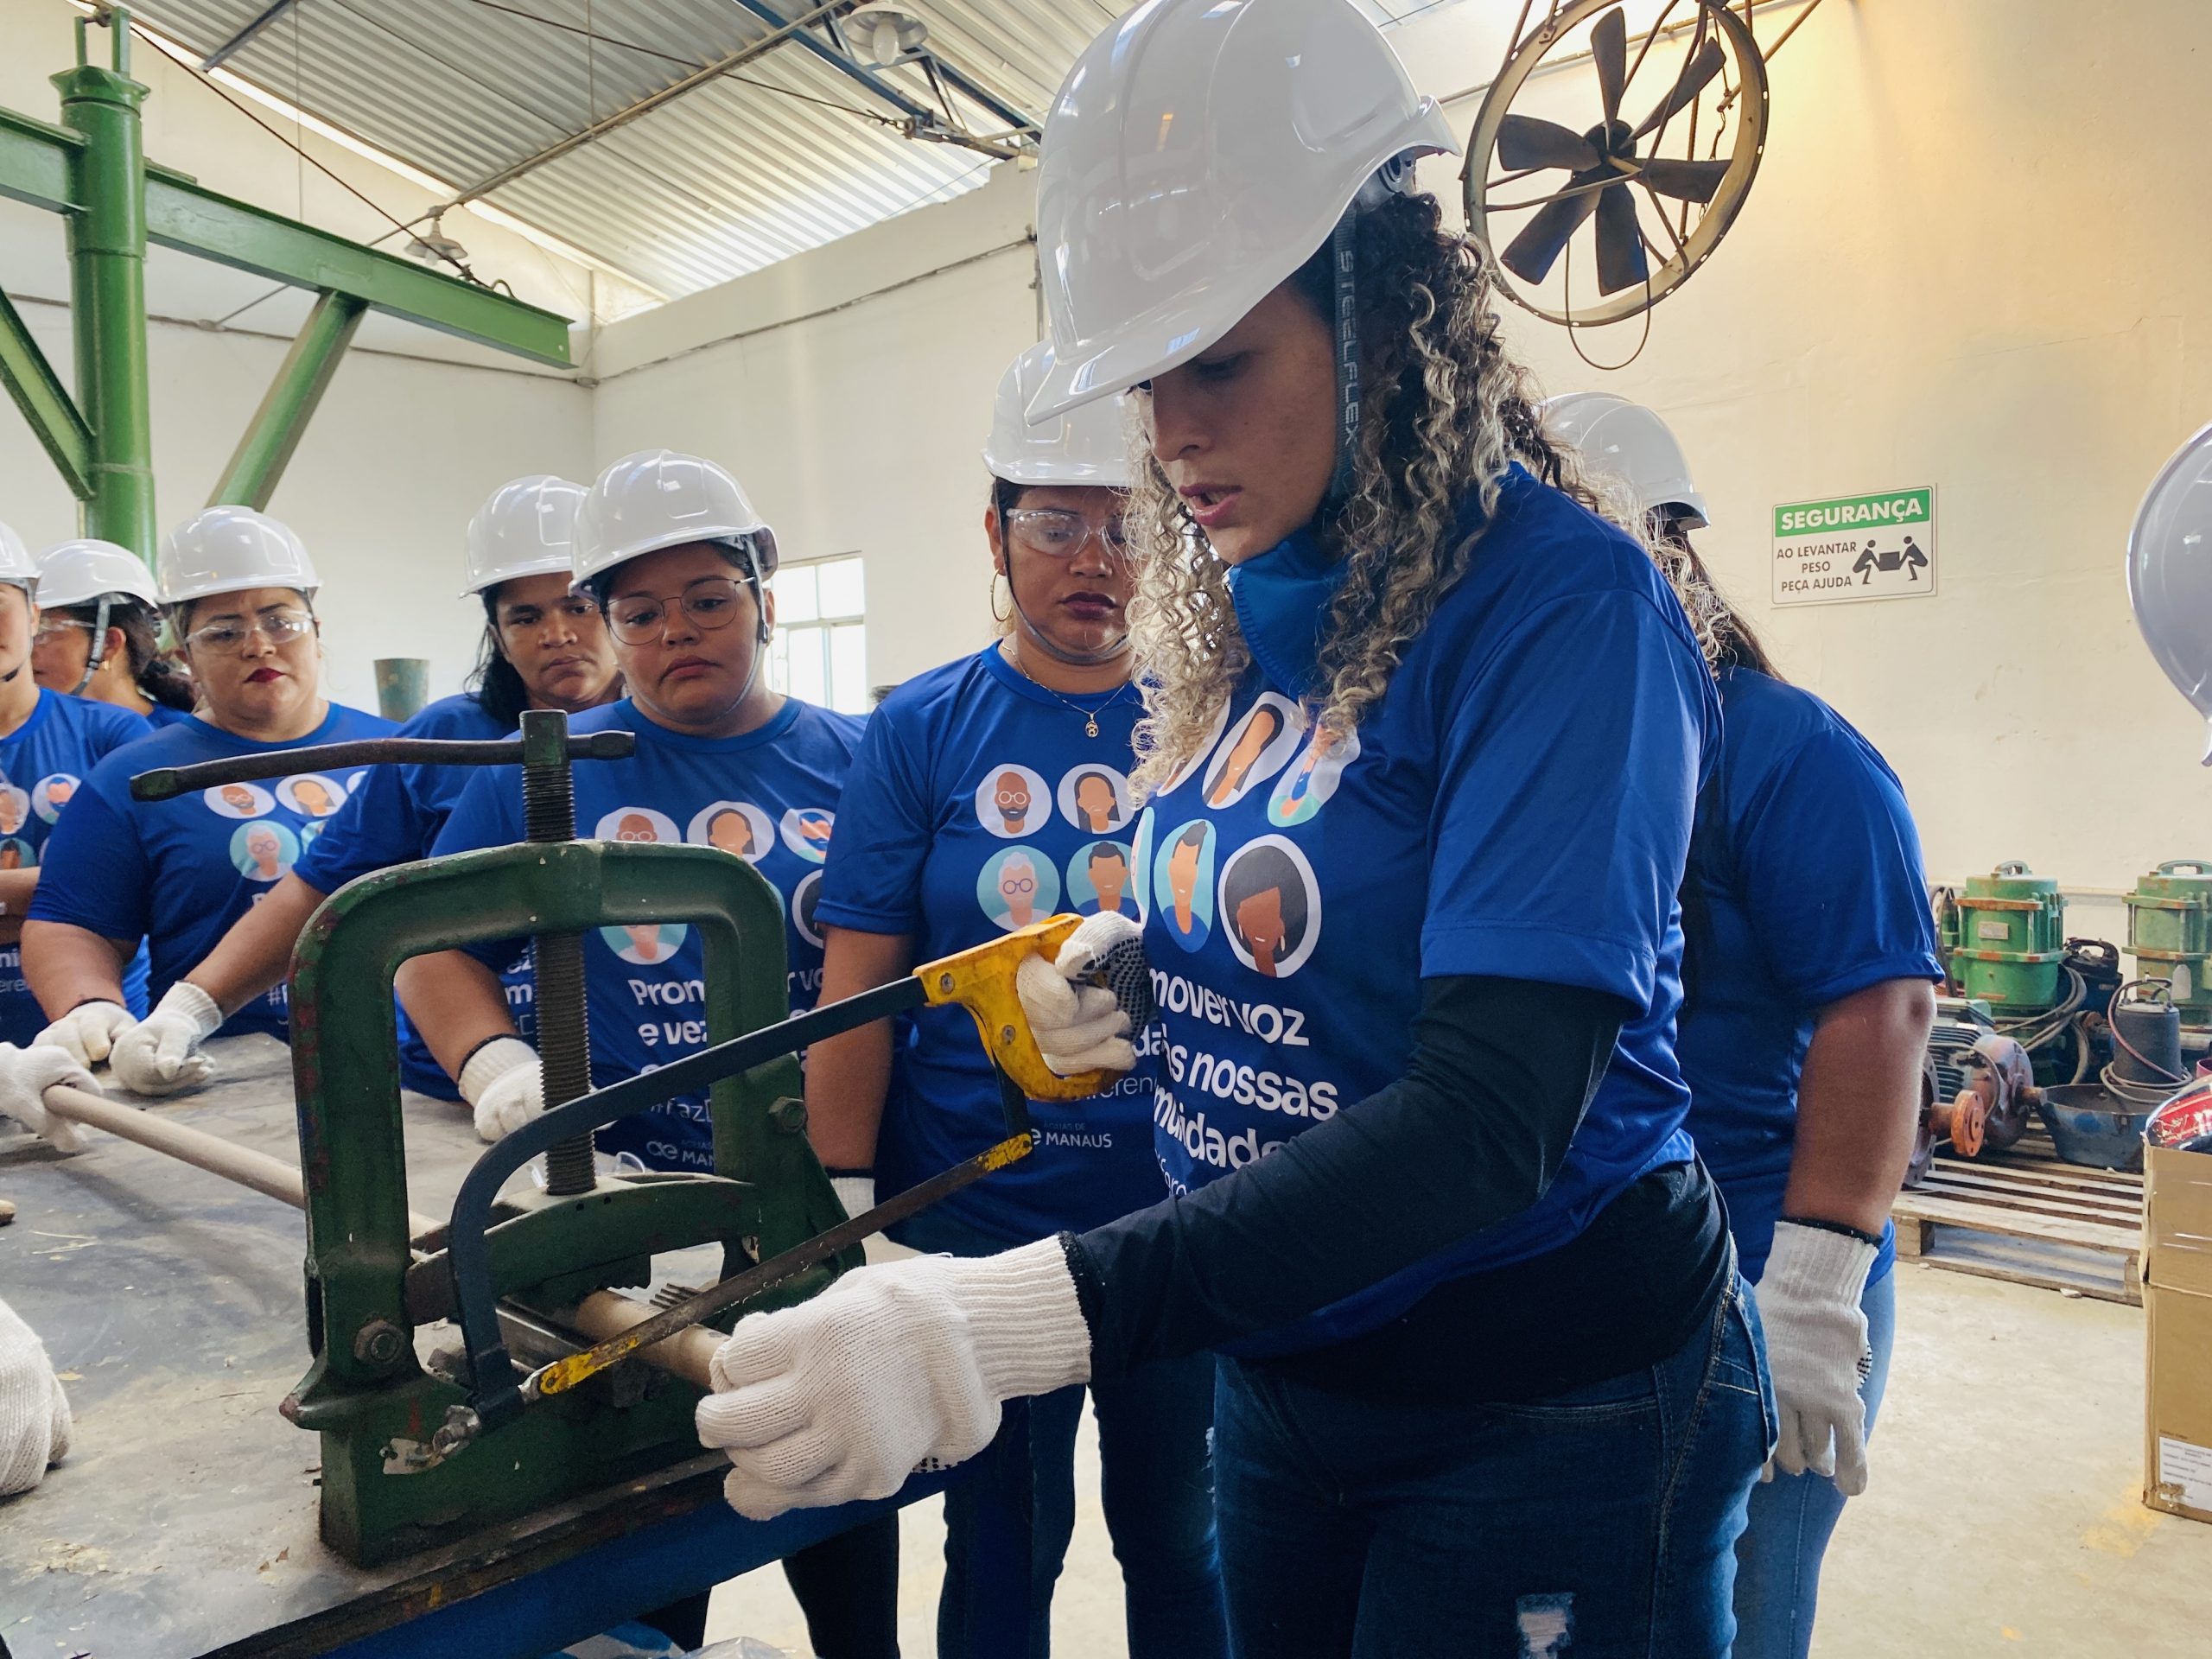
column 35, row 163
column 107, row 294
column 45, row 403
column 38, row 165
column 194, row 219
column 262, row 453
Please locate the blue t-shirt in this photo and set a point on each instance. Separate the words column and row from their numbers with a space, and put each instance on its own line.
column 43, row 762
column 979, row 804
column 1805, row 886
column 1518, row 805
column 393, row 816
column 769, row 797
column 162, row 715
column 179, row 872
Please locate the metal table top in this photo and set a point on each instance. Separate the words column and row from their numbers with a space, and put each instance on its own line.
column 183, row 1520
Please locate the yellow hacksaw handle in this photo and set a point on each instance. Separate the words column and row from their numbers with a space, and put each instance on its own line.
column 982, row 980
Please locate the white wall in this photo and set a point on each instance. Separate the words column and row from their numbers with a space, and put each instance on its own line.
column 416, row 429
column 855, row 421
column 1974, row 257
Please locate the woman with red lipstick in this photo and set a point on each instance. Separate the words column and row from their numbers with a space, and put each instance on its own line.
column 1491, row 1383
column 239, row 590
column 542, row 648
column 977, row 805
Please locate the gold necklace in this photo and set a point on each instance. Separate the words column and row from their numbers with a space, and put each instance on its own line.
column 1089, row 716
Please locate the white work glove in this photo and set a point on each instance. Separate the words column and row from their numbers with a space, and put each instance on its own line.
column 855, row 1193
column 34, row 1412
column 839, row 1399
column 1816, row 1352
column 25, row 1075
column 1079, row 1026
column 503, row 1083
column 87, row 1031
column 159, row 1055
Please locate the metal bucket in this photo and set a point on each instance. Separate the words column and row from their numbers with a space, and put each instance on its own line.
column 2093, row 1128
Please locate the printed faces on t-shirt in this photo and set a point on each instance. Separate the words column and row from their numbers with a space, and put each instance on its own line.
column 1026, row 882
column 739, row 827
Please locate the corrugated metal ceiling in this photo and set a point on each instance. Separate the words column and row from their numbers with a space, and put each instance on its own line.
column 775, row 157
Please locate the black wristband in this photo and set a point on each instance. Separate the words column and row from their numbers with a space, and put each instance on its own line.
column 496, row 1037
column 1875, row 1239
column 837, row 1174
column 1089, row 1293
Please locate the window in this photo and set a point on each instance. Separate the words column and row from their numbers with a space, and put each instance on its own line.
column 820, row 651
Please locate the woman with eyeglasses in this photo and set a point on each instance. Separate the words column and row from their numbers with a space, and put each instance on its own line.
column 544, row 647
column 48, row 742
column 670, row 548
column 99, row 627
column 984, row 795
column 239, row 591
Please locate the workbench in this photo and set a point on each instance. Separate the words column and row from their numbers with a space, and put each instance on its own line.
column 182, row 1521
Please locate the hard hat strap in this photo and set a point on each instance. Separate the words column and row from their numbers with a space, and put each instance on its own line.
column 94, row 655
column 1393, row 178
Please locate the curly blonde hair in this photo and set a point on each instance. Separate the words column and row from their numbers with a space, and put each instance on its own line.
column 1443, row 409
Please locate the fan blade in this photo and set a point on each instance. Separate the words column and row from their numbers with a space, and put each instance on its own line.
column 1525, row 144
column 1698, row 70
column 1609, row 50
column 1685, row 181
column 1536, row 250
column 1620, row 241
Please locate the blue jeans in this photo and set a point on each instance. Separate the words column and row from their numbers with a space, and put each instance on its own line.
column 1599, row 1523
column 1155, row 1484
column 1778, row 1557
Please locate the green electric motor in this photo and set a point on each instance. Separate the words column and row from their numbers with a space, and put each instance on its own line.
column 2011, row 939
column 2169, row 932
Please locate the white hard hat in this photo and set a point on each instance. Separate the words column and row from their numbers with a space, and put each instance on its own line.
column 659, row 499
column 1634, row 445
column 228, row 549
column 16, row 564
column 2170, row 572
column 527, row 528
column 1088, row 445
column 78, row 573
column 1199, row 153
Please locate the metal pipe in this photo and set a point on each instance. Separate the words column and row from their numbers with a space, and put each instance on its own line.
column 107, row 285
column 599, row 1316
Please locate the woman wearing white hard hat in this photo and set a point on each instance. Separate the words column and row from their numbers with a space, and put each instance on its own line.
column 544, row 647
column 672, row 550
column 100, row 633
column 48, row 743
column 987, row 791
column 239, row 588
column 1422, row 741
column 1807, row 982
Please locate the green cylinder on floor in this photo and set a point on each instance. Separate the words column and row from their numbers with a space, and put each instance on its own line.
column 2012, row 940
column 2169, row 932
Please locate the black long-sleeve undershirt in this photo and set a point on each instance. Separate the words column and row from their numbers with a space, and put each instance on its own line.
column 1471, row 1134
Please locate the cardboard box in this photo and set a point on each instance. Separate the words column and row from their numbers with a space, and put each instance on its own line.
column 2177, row 1327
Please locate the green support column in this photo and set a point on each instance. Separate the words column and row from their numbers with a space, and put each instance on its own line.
column 107, row 285
column 262, row 453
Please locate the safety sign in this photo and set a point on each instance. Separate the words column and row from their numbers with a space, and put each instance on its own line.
column 1850, row 547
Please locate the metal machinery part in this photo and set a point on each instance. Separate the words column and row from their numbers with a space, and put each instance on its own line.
column 383, row 1494
column 2169, row 932
column 392, row 1480
column 1923, row 1136
column 2012, row 940
column 2000, row 1096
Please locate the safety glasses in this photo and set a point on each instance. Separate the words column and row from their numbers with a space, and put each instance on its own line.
column 1060, row 532
column 711, row 602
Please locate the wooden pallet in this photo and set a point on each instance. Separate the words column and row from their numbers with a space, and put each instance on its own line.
column 2027, row 1216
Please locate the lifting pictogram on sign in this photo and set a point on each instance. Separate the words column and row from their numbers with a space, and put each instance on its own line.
column 1854, row 547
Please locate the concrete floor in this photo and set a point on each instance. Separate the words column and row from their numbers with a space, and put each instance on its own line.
column 2003, row 1518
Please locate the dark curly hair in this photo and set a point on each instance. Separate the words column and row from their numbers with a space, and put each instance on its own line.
column 1444, row 410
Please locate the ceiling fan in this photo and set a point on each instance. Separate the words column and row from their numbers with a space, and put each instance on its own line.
column 1654, row 207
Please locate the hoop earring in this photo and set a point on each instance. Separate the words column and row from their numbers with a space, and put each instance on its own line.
column 1001, row 618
